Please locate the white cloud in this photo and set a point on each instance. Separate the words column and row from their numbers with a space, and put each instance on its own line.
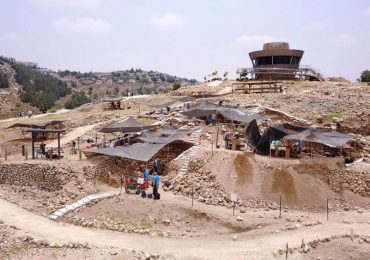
column 84, row 4
column 317, row 25
column 82, row 25
column 253, row 41
column 367, row 11
column 167, row 21
column 345, row 38
column 13, row 36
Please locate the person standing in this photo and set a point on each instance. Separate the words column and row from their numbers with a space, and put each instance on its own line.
column 156, row 165
column 146, row 178
column 156, row 181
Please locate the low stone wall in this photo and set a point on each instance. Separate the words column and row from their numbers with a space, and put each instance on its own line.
column 357, row 182
column 44, row 177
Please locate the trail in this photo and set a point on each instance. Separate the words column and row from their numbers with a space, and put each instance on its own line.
column 69, row 137
column 60, row 111
column 257, row 248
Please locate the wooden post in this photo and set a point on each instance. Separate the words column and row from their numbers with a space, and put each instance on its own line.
column 26, row 154
column 192, row 194
column 33, row 145
column 23, row 151
column 287, row 250
column 212, row 145
column 80, row 154
column 280, row 207
column 58, row 145
column 5, row 154
column 234, row 208
column 327, row 209
column 78, row 142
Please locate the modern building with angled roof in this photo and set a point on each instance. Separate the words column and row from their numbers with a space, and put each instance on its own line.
column 276, row 61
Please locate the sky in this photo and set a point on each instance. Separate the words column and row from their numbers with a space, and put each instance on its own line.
column 187, row 38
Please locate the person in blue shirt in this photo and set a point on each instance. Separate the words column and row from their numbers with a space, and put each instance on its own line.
column 146, row 174
column 156, row 181
column 155, row 165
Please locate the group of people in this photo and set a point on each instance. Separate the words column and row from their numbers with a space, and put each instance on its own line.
column 228, row 137
column 23, row 114
column 122, row 141
column 141, row 187
column 117, row 105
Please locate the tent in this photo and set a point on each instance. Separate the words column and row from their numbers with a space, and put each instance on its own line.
column 139, row 151
column 129, row 125
column 328, row 138
column 168, row 101
column 292, row 132
column 41, row 125
column 230, row 113
column 165, row 135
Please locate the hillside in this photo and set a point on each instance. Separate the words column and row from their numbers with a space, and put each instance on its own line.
column 26, row 86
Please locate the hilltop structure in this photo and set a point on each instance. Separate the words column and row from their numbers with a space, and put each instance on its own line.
column 276, row 61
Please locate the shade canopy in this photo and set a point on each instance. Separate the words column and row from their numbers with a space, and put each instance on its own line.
column 292, row 132
column 140, row 151
column 129, row 125
column 112, row 99
column 40, row 125
column 230, row 113
column 165, row 135
column 168, row 101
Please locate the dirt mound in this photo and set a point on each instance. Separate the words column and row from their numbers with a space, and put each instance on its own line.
column 296, row 190
column 319, row 165
column 244, row 170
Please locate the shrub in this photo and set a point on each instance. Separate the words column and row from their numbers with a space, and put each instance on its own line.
column 365, row 76
column 176, row 86
column 4, row 82
column 76, row 100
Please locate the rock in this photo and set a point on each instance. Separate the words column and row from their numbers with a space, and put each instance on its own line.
column 243, row 210
column 167, row 222
column 239, row 218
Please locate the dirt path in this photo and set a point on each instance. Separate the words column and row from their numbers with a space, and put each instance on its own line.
column 69, row 137
column 258, row 248
column 60, row 111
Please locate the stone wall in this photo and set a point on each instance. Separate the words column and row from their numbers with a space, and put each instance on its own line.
column 357, row 182
column 44, row 177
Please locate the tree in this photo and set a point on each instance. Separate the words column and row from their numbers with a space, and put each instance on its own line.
column 4, row 82
column 77, row 99
column 225, row 75
column 176, row 86
column 90, row 91
column 214, row 73
column 365, row 76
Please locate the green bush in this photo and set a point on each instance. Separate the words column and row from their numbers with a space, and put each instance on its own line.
column 365, row 76
column 176, row 86
column 77, row 99
column 4, row 82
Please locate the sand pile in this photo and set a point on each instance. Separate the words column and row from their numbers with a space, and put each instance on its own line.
column 297, row 190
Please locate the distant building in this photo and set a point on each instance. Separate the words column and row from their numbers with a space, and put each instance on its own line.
column 276, row 61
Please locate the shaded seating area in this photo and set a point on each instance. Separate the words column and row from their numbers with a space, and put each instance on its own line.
column 54, row 124
column 147, row 145
column 287, row 140
column 238, row 114
column 128, row 125
column 113, row 102
column 40, row 135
